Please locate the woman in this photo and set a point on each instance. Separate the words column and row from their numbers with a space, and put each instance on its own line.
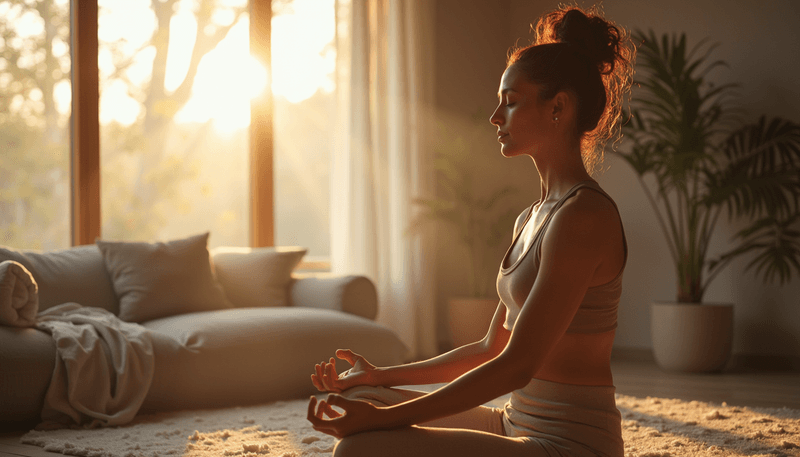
column 550, row 340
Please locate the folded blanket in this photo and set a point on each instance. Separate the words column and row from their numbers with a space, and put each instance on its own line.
column 19, row 297
column 104, row 367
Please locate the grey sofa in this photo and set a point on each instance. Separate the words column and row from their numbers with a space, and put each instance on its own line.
column 260, row 348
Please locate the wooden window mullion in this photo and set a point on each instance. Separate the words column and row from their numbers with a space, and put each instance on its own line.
column 262, row 201
column 85, row 131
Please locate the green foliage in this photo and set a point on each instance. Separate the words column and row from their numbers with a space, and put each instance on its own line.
column 684, row 135
column 471, row 210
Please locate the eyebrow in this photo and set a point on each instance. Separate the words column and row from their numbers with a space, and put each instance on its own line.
column 504, row 91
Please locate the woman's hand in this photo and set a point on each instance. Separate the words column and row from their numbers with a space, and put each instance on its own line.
column 359, row 416
column 326, row 379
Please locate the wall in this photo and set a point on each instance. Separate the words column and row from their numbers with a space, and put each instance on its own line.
column 470, row 50
column 759, row 40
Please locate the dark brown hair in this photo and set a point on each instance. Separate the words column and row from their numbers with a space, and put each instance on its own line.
column 585, row 54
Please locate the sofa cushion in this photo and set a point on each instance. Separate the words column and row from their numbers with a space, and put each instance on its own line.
column 352, row 294
column 27, row 362
column 154, row 280
column 76, row 274
column 254, row 277
column 250, row 355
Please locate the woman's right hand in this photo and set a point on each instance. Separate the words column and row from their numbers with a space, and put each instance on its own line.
column 326, row 379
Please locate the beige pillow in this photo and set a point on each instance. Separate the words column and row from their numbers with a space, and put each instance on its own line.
column 154, row 280
column 76, row 274
column 256, row 277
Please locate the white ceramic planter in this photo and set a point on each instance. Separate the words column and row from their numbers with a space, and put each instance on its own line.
column 690, row 337
column 469, row 318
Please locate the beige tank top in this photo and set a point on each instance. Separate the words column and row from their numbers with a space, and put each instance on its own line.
column 598, row 310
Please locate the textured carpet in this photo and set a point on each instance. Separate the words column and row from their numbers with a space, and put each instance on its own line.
column 652, row 427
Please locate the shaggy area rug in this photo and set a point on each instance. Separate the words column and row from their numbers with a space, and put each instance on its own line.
column 652, row 427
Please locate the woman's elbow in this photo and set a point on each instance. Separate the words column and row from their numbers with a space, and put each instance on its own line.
column 516, row 373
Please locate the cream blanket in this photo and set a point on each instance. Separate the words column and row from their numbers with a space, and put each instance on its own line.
column 19, row 298
column 104, row 367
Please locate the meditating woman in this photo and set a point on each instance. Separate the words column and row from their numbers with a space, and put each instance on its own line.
column 549, row 343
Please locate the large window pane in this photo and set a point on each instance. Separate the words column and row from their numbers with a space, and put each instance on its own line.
column 303, row 61
column 35, row 96
column 175, row 80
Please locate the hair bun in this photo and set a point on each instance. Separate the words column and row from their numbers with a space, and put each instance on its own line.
column 590, row 35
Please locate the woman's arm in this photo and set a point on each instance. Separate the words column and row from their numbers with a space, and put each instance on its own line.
column 443, row 368
column 572, row 250
column 450, row 365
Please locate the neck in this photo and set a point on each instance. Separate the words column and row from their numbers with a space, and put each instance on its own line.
column 559, row 170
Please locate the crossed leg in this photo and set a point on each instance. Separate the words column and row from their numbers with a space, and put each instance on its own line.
column 475, row 432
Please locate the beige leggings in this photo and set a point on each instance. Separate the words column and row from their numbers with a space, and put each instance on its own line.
column 475, row 432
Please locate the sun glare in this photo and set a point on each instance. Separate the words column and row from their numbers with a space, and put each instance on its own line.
column 303, row 61
column 303, row 58
column 227, row 78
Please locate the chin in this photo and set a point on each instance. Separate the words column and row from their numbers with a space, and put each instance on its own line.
column 509, row 152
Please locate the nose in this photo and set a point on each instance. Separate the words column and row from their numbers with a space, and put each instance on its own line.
column 495, row 118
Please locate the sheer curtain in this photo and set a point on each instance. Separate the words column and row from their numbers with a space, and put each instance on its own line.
column 381, row 163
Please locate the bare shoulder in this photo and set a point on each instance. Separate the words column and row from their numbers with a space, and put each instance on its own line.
column 588, row 227
column 589, row 211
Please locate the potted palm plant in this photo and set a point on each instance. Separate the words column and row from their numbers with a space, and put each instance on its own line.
column 474, row 215
column 695, row 161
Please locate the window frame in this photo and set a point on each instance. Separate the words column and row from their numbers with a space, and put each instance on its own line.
column 85, row 128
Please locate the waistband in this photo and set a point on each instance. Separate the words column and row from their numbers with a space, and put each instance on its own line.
column 582, row 419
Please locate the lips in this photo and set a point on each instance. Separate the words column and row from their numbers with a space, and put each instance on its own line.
column 501, row 137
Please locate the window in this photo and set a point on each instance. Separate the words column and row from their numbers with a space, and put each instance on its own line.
column 175, row 156
column 35, row 110
column 175, row 84
column 304, row 64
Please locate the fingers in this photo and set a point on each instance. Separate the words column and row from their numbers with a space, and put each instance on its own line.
column 324, row 376
column 318, row 423
column 327, row 409
column 347, row 354
column 339, row 401
column 311, row 413
column 317, row 383
column 331, row 379
column 318, row 370
column 316, row 378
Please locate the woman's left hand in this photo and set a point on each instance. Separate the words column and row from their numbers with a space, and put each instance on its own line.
column 359, row 416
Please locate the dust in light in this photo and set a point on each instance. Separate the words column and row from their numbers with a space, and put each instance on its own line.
column 303, row 60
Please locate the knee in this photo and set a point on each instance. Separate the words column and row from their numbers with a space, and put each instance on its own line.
column 367, row 444
column 348, row 446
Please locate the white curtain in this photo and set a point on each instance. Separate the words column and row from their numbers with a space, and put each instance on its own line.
column 381, row 163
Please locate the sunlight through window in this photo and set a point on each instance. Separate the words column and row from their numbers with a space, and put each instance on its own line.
column 35, row 95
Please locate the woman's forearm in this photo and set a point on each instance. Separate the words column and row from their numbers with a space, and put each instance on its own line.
column 450, row 365
column 442, row 368
column 475, row 387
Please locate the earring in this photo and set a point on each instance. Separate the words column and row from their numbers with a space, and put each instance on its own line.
column 555, row 119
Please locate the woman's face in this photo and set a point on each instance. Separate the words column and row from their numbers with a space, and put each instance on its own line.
column 524, row 122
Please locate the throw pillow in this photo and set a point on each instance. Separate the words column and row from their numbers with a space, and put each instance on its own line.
column 154, row 280
column 256, row 277
column 76, row 274
column 19, row 300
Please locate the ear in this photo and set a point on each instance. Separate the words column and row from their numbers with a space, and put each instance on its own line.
column 563, row 105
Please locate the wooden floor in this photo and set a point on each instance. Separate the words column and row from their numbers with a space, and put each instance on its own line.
column 636, row 376
column 739, row 387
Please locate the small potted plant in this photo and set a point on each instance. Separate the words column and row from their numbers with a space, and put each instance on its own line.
column 473, row 214
column 696, row 161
